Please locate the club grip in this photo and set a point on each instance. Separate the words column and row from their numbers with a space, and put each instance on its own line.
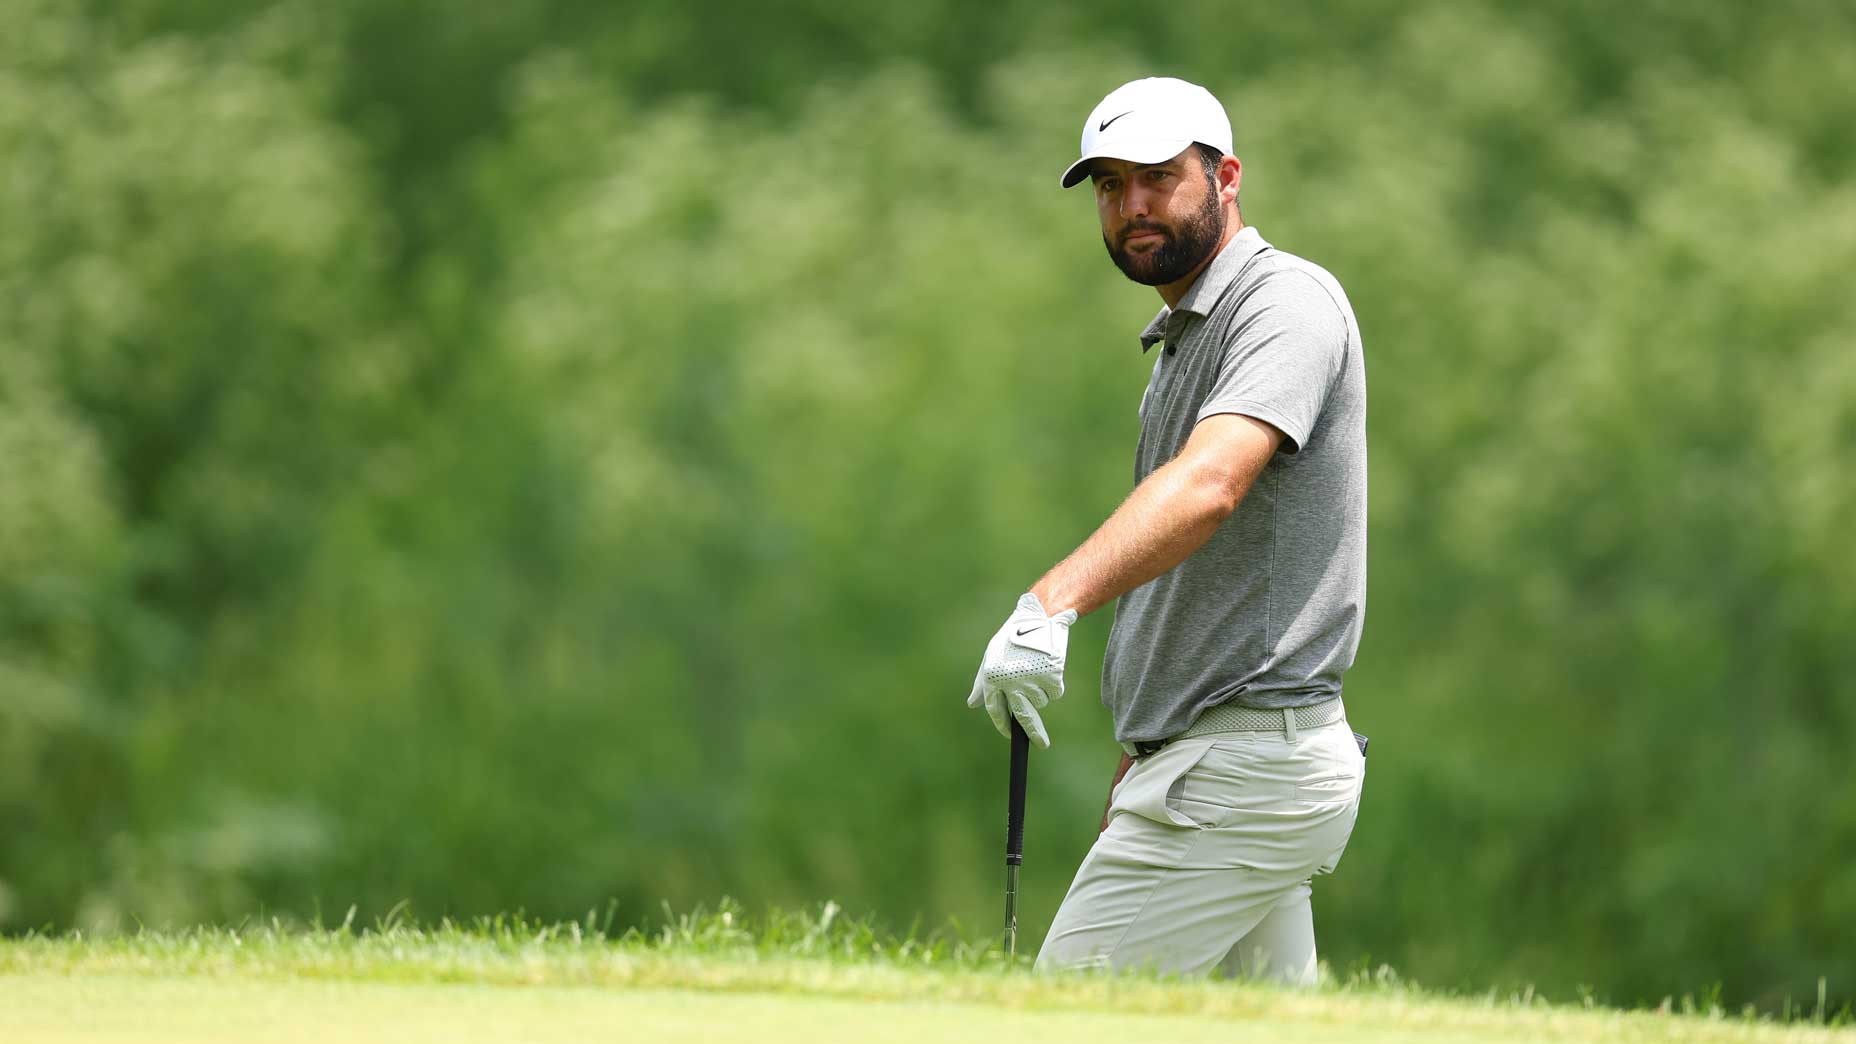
column 1015, row 802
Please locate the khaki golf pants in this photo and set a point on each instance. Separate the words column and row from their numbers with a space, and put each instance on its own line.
column 1210, row 847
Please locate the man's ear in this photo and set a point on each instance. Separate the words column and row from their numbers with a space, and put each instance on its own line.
column 1230, row 176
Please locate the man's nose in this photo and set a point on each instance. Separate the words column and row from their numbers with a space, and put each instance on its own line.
column 1134, row 202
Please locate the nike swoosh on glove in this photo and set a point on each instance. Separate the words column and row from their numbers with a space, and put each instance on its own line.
column 1023, row 668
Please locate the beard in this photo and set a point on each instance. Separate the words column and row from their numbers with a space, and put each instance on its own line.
column 1180, row 251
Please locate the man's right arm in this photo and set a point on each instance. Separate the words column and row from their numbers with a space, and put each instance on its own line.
column 1126, row 763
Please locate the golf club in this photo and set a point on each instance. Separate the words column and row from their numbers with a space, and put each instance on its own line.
column 1015, row 832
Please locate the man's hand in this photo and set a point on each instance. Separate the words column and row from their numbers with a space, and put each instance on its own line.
column 1023, row 668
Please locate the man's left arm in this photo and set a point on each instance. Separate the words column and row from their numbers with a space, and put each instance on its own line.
column 1167, row 517
column 1271, row 386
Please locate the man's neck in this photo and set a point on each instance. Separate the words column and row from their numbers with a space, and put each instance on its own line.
column 1172, row 292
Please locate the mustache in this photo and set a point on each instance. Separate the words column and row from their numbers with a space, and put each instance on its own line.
column 1142, row 226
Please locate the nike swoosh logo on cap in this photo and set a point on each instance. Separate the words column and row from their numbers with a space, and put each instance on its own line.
column 1112, row 119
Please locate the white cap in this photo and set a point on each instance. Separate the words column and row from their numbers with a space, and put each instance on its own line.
column 1151, row 121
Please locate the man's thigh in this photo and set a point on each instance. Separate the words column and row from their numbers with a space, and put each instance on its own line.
column 1281, row 948
column 1123, row 912
column 1204, row 840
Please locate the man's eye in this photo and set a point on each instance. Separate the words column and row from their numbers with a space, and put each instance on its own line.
column 1109, row 185
column 1156, row 175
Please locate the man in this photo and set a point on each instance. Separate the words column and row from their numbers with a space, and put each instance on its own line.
column 1240, row 565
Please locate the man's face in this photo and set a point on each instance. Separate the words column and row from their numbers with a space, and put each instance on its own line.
column 1159, row 220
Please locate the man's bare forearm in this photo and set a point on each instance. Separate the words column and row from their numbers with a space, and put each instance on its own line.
column 1167, row 517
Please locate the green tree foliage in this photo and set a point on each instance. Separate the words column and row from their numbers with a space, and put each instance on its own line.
column 522, row 459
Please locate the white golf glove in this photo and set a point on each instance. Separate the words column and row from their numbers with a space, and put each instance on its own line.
column 1023, row 668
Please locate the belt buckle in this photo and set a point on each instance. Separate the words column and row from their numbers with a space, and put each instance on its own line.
column 1142, row 748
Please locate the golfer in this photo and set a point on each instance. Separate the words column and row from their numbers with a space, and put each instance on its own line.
column 1239, row 562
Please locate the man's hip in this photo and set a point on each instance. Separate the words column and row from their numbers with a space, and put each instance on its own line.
column 1205, row 837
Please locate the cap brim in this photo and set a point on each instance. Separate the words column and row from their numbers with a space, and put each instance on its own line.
column 1146, row 151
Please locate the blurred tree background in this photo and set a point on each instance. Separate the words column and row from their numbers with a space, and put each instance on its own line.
column 521, row 456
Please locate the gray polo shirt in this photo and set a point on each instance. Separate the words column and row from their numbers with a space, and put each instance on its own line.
column 1268, row 612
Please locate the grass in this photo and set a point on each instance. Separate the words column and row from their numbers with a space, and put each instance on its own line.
column 812, row 977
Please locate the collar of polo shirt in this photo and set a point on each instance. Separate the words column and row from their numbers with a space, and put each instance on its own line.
column 1202, row 296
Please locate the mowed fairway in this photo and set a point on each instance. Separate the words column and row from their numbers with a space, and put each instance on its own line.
column 56, row 1009
column 547, row 985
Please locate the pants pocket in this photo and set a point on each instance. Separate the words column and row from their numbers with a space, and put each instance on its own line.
column 1328, row 789
column 1151, row 788
column 1358, row 783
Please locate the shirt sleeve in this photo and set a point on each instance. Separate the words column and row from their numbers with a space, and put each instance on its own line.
column 1283, row 358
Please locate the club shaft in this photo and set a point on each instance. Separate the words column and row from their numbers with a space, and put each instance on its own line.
column 1011, row 908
